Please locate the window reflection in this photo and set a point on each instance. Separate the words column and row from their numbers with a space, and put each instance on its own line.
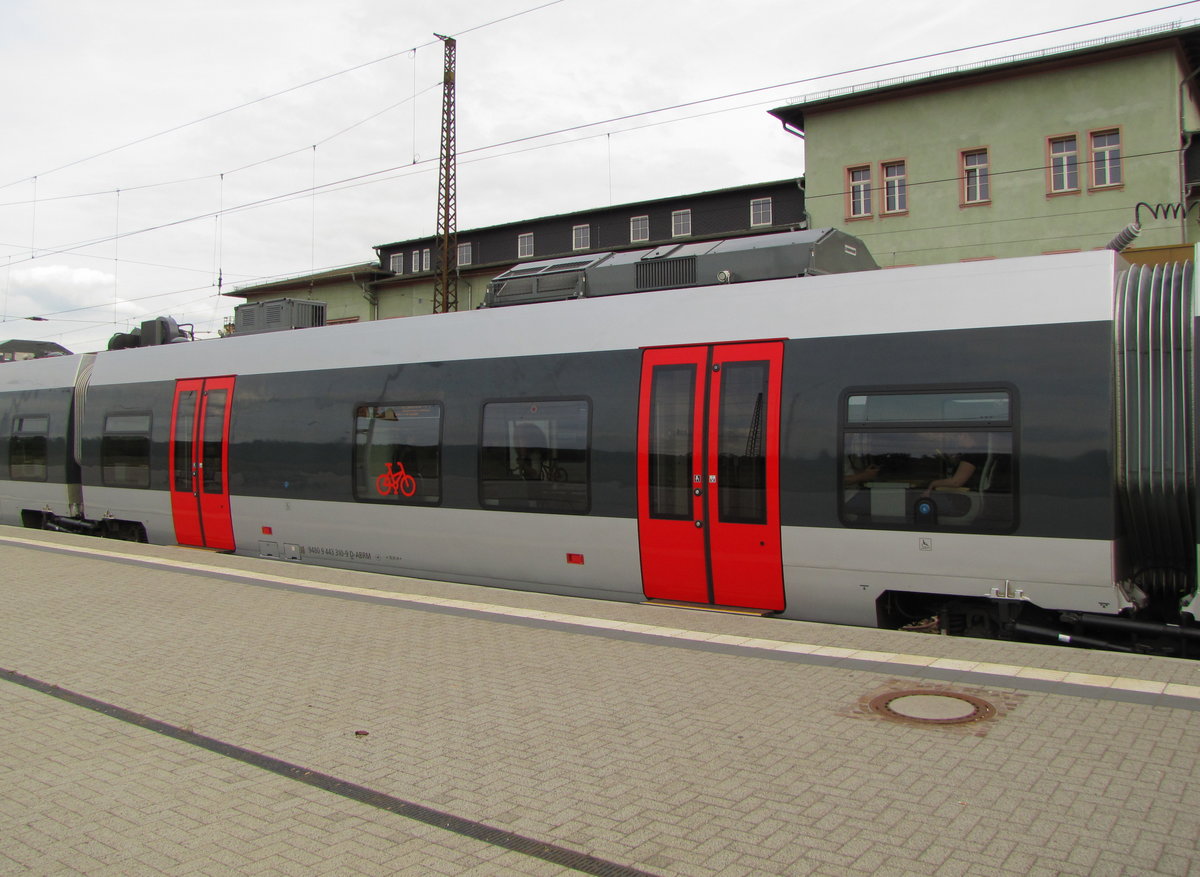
column 534, row 455
column 125, row 451
column 397, row 453
column 741, row 447
column 927, row 460
column 29, row 449
column 671, row 441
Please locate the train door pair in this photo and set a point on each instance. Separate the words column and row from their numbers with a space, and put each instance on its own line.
column 708, row 475
column 199, row 463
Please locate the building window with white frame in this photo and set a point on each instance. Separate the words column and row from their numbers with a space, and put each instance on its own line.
column 426, row 259
column 895, row 187
column 525, row 245
column 681, row 223
column 1064, row 164
column 581, row 237
column 639, row 229
column 416, row 261
column 859, row 189
column 1106, row 158
column 396, row 263
column 464, row 254
column 761, row 212
column 976, row 177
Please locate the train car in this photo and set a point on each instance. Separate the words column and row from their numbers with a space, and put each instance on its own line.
column 1006, row 447
column 38, row 457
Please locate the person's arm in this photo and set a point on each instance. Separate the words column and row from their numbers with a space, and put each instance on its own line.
column 867, row 474
column 960, row 477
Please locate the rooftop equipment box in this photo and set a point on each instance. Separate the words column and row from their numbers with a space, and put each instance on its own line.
column 277, row 314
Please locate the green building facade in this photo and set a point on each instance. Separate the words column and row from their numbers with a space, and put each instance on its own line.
column 1037, row 154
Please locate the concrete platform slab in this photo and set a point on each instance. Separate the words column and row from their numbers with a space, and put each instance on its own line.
column 173, row 712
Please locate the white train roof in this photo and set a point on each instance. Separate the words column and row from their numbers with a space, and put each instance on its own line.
column 1070, row 288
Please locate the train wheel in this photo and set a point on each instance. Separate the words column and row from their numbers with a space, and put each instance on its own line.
column 971, row 618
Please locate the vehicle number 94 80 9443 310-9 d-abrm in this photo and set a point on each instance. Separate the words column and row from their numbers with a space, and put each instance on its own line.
column 343, row 553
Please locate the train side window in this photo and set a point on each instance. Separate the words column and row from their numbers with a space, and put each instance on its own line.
column 28, row 448
column 928, row 460
column 534, row 456
column 125, row 450
column 398, row 453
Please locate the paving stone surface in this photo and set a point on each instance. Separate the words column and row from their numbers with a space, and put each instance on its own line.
column 667, row 756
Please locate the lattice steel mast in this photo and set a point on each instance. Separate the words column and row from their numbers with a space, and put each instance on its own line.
column 445, row 280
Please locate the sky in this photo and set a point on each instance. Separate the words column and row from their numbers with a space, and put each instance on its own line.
column 156, row 155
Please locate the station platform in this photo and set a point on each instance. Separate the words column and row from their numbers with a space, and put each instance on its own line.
column 169, row 711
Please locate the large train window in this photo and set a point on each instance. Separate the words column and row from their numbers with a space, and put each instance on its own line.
column 928, row 460
column 398, row 453
column 28, row 449
column 125, row 451
column 534, row 456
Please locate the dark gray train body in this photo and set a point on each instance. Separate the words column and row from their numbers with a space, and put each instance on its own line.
column 1023, row 350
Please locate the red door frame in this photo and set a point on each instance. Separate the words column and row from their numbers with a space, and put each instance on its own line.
column 200, row 498
column 692, row 551
column 673, row 544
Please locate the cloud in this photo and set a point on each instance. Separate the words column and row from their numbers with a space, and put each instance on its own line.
column 49, row 289
column 129, row 126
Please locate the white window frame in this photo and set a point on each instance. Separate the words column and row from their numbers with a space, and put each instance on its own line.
column 426, row 259
column 1063, row 164
column 1107, row 169
column 976, row 176
column 895, row 186
column 465, row 254
column 639, row 229
column 525, row 245
column 762, row 212
column 416, row 261
column 581, row 237
column 396, row 263
column 858, row 192
column 681, row 223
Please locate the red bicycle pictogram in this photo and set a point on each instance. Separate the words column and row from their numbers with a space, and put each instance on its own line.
column 396, row 481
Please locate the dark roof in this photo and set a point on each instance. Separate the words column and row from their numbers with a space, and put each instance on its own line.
column 1185, row 39
column 37, row 348
column 363, row 271
column 595, row 211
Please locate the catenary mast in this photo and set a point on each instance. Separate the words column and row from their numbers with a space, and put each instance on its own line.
column 445, row 281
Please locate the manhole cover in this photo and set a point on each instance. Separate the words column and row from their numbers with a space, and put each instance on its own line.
column 932, row 707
